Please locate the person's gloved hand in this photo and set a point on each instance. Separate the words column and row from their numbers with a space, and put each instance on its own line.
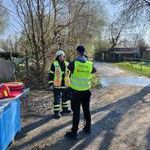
column 51, row 87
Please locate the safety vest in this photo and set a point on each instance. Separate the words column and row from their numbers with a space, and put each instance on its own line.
column 58, row 75
column 81, row 77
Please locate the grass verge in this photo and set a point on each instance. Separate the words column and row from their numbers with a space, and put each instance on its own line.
column 135, row 67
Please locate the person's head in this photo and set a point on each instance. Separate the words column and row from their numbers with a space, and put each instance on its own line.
column 80, row 50
column 60, row 55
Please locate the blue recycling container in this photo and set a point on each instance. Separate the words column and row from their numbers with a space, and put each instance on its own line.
column 10, row 122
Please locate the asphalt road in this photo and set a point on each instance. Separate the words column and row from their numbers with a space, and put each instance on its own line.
column 112, row 75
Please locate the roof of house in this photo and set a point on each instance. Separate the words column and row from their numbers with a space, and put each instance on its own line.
column 6, row 54
column 2, row 50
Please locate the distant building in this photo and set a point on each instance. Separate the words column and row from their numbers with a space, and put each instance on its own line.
column 117, row 54
column 6, row 66
column 146, row 54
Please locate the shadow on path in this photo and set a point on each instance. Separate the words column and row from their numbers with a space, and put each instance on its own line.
column 41, row 136
column 107, row 125
column 148, row 139
column 33, row 126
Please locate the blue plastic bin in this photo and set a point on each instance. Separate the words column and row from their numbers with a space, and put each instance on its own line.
column 10, row 122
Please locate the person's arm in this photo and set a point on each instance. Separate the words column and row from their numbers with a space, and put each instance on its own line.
column 71, row 67
column 51, row 75
column 94, row 70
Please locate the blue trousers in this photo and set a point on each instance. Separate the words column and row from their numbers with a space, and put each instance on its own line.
column 61, row 97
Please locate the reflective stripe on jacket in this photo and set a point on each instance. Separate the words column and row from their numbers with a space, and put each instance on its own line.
column 58, row 75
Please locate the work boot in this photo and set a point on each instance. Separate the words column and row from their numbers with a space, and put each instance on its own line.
column 57, row 115
column 87, row 130
column 71, row 135
column 66, row 111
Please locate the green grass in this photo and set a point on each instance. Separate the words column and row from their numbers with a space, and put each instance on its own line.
column 136, row 67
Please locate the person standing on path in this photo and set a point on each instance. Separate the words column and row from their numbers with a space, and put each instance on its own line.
column 59, row 81
column 81, row 74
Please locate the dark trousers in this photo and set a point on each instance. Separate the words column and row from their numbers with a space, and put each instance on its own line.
column 80, row 98
column 60, row 98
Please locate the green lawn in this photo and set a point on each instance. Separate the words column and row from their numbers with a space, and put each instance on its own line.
column 136, row 67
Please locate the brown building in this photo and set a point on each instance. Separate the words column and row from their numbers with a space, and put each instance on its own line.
column 118, row 54
column 146, row 54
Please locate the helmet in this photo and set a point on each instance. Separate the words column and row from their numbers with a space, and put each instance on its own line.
column 60, row 52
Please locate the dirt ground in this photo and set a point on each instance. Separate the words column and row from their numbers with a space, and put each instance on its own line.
column 120, row 121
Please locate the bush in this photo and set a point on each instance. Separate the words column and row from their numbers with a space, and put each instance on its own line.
column 95, row 81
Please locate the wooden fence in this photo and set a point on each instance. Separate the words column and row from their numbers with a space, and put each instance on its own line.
column 136, row 61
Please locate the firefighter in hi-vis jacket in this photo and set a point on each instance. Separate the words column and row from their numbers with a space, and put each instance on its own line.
column 58, row 83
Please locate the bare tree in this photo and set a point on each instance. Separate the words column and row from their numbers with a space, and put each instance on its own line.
column 136, row 11
column 3, row 16
column 116, row 29
column 135, row 15
column 35, row 19
column 78, row 22
column 87, row 20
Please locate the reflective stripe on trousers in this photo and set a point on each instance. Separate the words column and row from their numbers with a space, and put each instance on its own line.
column 64, row 104
column 56, row 107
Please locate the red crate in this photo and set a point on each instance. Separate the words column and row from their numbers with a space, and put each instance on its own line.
column 15, row 86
